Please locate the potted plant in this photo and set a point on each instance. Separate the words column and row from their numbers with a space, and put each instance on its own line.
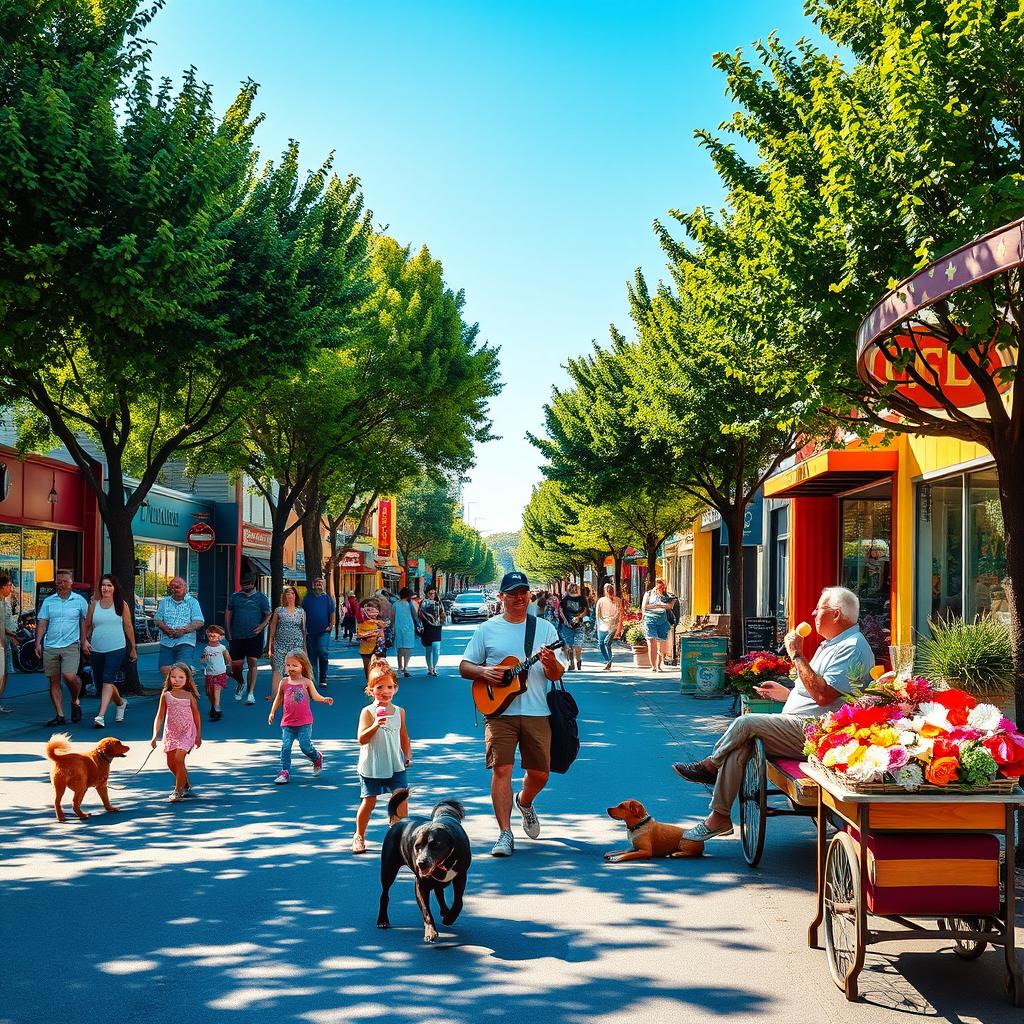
column 637, row 639
column 973, row 656
column 753, row 669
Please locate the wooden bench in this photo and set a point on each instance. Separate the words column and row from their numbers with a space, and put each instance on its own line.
column 766, row 777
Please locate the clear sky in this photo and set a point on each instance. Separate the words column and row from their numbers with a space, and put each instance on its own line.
column 530, row 145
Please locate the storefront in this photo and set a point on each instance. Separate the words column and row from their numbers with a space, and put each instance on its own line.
column 711, row 561
column 48, row 521
column 255, row 545
column 162, row 550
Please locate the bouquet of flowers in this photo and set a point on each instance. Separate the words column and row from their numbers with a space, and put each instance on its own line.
column 910, row 734
column 743, row 674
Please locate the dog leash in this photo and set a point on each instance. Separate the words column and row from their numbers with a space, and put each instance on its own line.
column 136, row 772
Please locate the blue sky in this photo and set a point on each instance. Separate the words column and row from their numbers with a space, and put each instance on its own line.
column 529, row 145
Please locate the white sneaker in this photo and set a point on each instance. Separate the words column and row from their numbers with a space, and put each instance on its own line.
column 531, row 823
column 119, row 714
column 251, row 699
column 505, row 846
column 98, row 722
column 239, row 690
column 282, row 778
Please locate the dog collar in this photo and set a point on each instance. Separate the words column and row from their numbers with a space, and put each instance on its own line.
column 109, row 760
column 639, row 825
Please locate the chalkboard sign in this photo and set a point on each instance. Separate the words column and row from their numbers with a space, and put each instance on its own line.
column 760, row 633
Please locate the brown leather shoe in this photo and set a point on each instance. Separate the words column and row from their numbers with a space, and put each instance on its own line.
column 694, row 771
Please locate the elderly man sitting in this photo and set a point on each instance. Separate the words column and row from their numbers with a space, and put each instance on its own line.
column 842, row 661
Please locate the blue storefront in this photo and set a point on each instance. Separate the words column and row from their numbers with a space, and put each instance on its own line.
column 162, row 552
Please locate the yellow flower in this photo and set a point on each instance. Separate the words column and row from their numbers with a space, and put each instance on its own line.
column 856, row 755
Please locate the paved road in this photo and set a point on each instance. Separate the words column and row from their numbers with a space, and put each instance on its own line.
column 247, row 904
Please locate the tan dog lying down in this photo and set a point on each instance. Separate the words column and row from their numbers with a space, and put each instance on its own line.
column 80, row 772
column 649, row 837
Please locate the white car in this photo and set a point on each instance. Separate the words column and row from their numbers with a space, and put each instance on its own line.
column 469, row 606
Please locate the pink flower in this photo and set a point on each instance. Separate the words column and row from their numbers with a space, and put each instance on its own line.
column 961, row 735
column 898, row 757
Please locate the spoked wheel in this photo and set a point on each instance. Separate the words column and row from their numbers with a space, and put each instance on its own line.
column 842, row 908
column 967, row 948
column 754, row 805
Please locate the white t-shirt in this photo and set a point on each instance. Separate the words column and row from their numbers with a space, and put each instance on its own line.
column 215, row 663
column 497, row 638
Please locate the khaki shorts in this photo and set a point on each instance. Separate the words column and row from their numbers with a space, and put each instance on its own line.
column 531, row 733
column 62, row 660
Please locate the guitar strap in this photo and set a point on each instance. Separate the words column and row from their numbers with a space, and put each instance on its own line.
column 530, row 635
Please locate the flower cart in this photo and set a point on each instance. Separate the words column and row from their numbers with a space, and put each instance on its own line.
column 922, row 784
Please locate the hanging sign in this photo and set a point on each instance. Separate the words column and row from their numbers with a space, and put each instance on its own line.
column 384, row 528
column 201, row 537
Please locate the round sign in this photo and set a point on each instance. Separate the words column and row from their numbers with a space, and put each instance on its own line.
column 201, row 537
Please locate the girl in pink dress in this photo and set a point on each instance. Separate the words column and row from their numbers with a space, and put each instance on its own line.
column 179, row 711
column 295, row 695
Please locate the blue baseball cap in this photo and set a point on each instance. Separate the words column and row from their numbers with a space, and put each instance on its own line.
column 513, row 581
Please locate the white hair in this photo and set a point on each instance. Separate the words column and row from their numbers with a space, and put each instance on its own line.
column 844, row 601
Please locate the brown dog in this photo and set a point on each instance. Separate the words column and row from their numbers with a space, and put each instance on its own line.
column 649, row 837
column 79, row 772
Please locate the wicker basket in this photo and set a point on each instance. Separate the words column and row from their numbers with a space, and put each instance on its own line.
column 997, row 785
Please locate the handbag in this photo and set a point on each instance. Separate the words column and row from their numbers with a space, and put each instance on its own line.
column 565, row 732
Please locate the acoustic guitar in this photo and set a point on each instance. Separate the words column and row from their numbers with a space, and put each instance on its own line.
column 493, row 698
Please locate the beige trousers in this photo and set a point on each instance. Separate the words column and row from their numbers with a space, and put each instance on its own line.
column 782, row 735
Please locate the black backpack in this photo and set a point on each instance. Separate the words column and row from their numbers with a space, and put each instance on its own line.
column 565, row 733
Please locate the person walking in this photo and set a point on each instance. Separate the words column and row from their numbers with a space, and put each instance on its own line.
column 178, row 712
column 111, row 632
column 572, row 610
column 245, row 619
column 7, row 623
column 609, row 619
column 320, row 613
column 179, row 618
column 287, row 634
column 353, row 616
column 296, row 695
column 432, row 619
column 61, row 642
column 387, row 617
column 655, row 605
column 405, row 629
column 524, row 723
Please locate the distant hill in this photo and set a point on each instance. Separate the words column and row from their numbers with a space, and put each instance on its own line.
column 503, row 544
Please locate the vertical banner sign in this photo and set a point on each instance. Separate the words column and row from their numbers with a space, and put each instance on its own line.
column 384, row 528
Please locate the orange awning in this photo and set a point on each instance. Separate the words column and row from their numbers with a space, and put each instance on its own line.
column 832, row 472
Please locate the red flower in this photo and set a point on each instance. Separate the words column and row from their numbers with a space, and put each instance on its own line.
column 945, row 748
column 1008, row 751
column 957, row 704
column 865, row 717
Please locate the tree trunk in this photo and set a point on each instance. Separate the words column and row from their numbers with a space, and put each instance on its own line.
column 618, row 572
column 122, row 567
column 313, row 546
column 651, row 548
column 277, row 536
column 734, row 521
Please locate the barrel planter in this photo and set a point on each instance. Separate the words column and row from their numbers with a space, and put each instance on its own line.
column 641, row 659
column 691, row 647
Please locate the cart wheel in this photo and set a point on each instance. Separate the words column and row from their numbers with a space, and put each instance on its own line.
column 1015, row 989
column 842, row 906
column 967, row 949
column 754, row 805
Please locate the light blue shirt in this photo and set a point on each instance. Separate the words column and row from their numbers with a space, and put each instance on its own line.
column 843, row 662
column 177, row 614
column 497, row 638
column 64, row 618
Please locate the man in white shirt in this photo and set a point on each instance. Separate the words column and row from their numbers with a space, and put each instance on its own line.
column 524, row 723
column 61, row 642
column 179, row 618
column 842, row 661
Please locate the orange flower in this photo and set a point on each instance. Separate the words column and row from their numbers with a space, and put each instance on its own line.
column 931, row 731
column 942, row 771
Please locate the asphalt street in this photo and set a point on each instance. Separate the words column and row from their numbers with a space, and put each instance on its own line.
column 247, row 904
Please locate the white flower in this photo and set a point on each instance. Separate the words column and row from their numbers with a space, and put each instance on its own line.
column 903, row 724
column 839, row 755
column 932, row 714
column 910, row 777
column 871, row 767
column 985, row 717
column 908, row 738
column 921, row 747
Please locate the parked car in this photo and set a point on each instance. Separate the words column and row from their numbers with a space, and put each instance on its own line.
column 468, row 606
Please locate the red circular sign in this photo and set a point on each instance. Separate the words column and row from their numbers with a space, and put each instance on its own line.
column 200, row 537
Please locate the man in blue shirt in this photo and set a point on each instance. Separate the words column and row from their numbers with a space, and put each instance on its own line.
column 60, row 642
column 320, row 611
column 179, row 618
column 246, row 618
column 842, row 661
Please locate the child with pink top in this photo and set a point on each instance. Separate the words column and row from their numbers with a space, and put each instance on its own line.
column 178, row 711
column 294, row 694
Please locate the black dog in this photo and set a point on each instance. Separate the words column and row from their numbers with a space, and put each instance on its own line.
column 435, row 849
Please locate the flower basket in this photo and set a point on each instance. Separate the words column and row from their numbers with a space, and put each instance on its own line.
column 908, row 737
column 753, row 669
column 997, row 785
column 760, row 706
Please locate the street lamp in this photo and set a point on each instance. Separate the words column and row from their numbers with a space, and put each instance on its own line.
column 52, row 496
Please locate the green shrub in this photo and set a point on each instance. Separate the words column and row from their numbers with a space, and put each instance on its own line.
column 634, row 635
column 975, row 656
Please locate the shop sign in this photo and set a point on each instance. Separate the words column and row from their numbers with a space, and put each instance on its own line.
column 256, row 537
column 936, row 361
column 352, row 560
column 300, row 558
column 384, row 528
column 200, row 537
column 158, row 515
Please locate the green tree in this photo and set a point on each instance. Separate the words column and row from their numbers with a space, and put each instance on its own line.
column 426, row 512
column 503, row 544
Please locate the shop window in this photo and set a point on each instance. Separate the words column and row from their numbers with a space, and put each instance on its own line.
column 778, row 569
column 38, row 562
column 867, row 565
column 986, row 549
column 155, row 566
column 940, row 525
